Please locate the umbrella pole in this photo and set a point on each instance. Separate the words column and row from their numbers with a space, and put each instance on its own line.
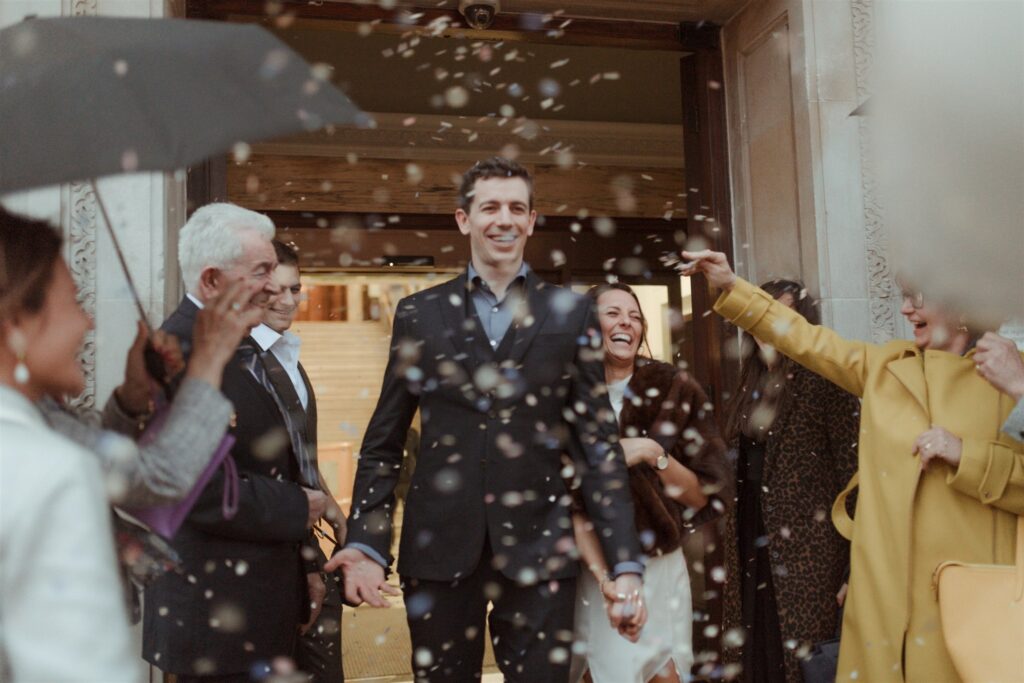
column 120, row 257
column 154, row 361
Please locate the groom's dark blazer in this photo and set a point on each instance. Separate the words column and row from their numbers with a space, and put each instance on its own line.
column 494, row 441
column 243, row 590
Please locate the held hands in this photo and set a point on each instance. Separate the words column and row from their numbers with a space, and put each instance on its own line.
column 364, row 578
column 624, row 603
column 938, row 443
column 999, row 362
column 713, row 264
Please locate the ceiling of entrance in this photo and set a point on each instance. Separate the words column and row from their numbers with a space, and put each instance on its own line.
column 451, row 76
column 718, row 11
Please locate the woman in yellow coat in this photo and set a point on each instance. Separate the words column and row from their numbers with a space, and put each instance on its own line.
column 938, row 480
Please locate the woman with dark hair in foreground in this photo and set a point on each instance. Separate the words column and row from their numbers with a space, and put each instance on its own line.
column 56, row 588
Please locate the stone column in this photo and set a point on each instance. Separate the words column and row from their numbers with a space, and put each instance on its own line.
column 859, row 296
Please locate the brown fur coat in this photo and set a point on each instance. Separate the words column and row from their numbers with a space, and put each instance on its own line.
column 667, row 405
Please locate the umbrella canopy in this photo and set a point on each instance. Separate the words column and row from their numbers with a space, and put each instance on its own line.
column 82, row 97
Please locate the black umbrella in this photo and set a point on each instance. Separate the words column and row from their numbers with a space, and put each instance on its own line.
column 83, row 97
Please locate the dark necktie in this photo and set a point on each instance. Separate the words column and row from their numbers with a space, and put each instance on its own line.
column 269, row 372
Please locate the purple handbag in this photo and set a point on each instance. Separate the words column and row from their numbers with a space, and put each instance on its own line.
column 167, row 519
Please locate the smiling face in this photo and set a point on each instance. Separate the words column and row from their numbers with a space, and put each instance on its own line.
column 498, row 222
column 281, row 312
column 52, row 338
column 255, row 267
column 933, row 327
column 622, row 326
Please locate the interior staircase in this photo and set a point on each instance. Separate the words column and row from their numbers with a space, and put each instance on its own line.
column 345, row 362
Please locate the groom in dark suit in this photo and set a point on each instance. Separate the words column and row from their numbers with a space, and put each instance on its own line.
column 506, row 372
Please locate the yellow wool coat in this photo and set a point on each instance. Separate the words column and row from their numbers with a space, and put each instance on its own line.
column 907, row 522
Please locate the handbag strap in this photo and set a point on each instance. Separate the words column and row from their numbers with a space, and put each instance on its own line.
column 840, row 517
column 229, row 502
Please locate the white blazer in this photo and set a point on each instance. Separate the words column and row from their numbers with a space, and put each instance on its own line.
column 62, row 612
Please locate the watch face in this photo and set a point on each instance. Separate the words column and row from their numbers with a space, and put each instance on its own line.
column 662, row 461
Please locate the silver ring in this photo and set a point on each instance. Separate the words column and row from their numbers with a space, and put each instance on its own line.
column 236, row 307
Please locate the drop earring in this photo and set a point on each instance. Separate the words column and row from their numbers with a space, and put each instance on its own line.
column 16, row 342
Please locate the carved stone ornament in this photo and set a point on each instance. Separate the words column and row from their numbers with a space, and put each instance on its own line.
column 83, row 8
column 80, row 221
column 881, row 289
column 78, row 218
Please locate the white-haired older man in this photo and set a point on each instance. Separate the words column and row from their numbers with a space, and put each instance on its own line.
column 238, row 603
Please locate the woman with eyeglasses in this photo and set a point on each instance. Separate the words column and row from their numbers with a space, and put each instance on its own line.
column 938, row 480
column 678, row 478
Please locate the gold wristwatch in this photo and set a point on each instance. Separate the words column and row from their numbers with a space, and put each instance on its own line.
column 662, row 462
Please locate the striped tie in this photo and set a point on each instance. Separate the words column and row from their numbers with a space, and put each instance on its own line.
column 262, row 365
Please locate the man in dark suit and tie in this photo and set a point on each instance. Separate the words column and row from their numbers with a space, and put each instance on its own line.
column 238, row 603
column 506, row 372
column 318, row 651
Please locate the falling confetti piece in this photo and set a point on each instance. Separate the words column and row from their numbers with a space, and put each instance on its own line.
column 456, row 97
column 241, row 152
column 129, row 161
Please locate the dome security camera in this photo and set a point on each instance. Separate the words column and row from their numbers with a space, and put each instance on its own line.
column 479, row 13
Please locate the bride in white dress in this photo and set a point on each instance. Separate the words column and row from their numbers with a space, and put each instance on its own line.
column 678, row 474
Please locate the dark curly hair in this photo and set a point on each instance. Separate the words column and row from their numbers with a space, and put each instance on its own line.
column 494, row 167
column 597, row 291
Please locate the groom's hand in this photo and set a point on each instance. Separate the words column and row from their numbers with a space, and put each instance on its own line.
column 364, row 578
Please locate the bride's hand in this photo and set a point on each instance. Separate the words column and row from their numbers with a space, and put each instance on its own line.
column 640, row 450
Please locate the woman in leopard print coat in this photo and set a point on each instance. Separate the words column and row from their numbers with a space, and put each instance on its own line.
column 795, row 436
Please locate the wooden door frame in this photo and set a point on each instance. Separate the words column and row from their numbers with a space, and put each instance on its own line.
column 704, row 153
column 708, row 198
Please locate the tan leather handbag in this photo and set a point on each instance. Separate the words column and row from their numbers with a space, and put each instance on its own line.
column 982, row 612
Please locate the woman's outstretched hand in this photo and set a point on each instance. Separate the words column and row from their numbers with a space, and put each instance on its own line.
column 713, row 264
